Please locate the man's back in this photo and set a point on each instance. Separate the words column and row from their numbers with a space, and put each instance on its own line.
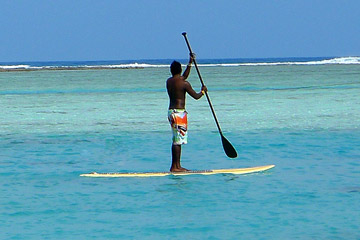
column 176, row 89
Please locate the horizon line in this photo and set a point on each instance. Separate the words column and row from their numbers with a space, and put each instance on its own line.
column 164, row 59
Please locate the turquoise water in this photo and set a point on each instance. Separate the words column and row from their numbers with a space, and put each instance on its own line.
column 57, row 124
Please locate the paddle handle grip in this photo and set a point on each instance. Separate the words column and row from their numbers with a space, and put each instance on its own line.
column 202, row 83
column 191, row 52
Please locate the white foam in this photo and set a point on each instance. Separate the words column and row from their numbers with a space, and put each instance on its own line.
column 340, row 60
column 343, row 60
column 130, row 65
column 14, row 67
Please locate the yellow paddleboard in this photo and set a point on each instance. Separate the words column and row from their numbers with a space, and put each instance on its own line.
column 161, row 174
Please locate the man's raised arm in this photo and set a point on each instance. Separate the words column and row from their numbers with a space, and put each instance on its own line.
column 188, row 67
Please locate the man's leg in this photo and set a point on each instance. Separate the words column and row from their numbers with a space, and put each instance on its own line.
column 176, row 154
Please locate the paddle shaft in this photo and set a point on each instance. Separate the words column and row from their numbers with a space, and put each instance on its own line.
column 202, row 83
column 228, row 147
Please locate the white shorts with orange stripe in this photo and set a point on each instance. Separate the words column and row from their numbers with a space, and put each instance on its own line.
column 178, row 122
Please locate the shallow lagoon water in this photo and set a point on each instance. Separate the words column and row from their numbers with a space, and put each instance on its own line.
column 58, row 124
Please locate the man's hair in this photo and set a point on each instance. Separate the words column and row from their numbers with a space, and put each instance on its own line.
column 175, row 68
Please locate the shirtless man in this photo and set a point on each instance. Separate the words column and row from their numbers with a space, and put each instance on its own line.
column 177, row 87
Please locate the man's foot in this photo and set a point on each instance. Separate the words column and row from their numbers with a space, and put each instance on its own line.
column 181, row 169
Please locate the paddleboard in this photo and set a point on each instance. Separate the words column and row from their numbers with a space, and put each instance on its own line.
column 162, row 174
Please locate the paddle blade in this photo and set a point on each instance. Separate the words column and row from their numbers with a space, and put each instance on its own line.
column 228, row 148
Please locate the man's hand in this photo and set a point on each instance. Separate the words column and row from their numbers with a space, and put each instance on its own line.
column 192, row 57
column 203, row 90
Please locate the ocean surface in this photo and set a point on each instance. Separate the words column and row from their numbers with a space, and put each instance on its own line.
column 61, row 119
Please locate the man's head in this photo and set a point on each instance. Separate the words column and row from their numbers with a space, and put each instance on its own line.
column 175, row 68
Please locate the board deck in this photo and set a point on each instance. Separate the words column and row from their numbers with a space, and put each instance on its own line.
column 162, row 174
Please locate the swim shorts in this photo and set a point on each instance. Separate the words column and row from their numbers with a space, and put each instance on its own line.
column 178, row 122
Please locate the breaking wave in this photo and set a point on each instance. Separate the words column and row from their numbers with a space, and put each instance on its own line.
column 166, row 63
column 340, row 60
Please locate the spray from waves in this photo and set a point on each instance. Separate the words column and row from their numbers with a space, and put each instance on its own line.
column 340, row 61
column 165, row 64
column 12, row 67
column 26, row 67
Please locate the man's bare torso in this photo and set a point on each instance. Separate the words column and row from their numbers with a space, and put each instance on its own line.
column 176, row 88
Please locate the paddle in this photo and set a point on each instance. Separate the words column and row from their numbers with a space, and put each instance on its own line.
column 228, row 148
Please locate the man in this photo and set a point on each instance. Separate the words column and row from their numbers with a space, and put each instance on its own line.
column 177, row 87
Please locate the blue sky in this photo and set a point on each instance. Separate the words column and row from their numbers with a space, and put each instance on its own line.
column 138, row 29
